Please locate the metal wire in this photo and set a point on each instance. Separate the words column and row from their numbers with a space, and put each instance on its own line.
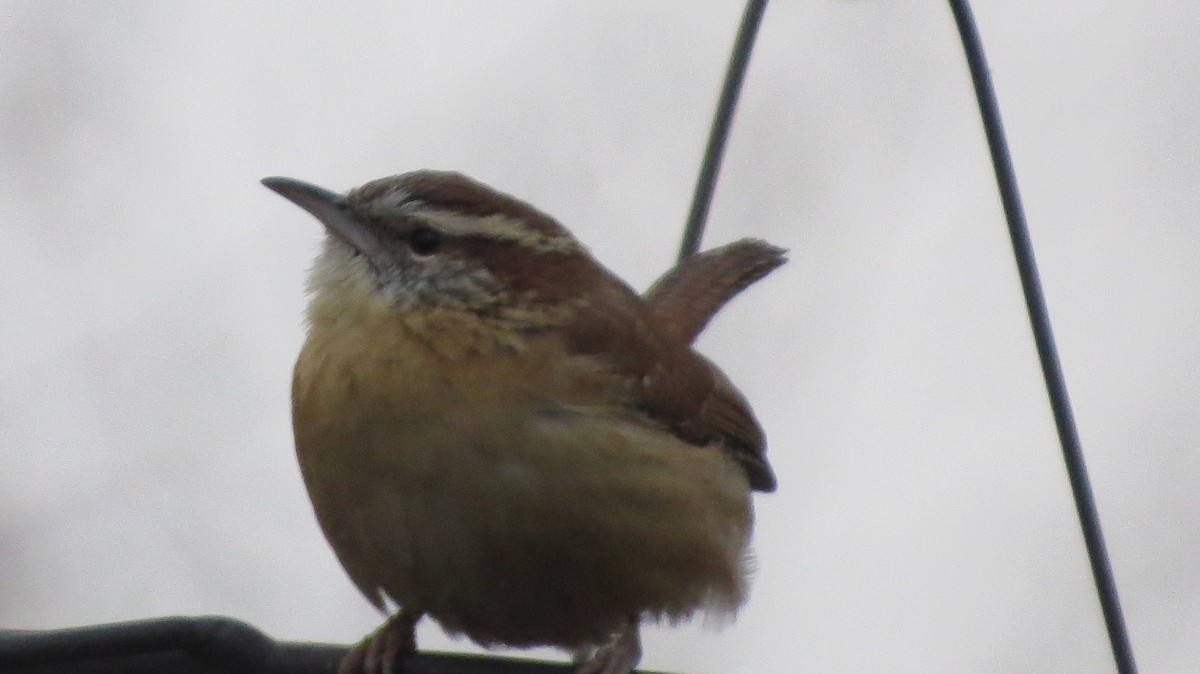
column 718, row 134
column 1039, row 318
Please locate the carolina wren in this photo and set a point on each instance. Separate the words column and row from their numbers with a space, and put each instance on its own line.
column 497, row 432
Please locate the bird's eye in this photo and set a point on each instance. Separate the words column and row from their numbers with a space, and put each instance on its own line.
column 425, row 240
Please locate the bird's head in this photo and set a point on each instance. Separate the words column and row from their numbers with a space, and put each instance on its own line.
column 436, row 239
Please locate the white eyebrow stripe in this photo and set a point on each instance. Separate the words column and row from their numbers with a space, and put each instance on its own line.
column 396, row 200
column 498, row 226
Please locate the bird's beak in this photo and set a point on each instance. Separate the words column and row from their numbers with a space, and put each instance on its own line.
column 334, row 211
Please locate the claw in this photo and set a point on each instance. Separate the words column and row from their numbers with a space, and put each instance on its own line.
column 619, row 656
column 378, row 652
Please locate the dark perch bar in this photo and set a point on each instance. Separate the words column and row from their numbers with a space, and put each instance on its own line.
column 211, row 645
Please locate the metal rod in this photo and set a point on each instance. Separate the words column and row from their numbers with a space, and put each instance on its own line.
column 1039, row 318
column 212, row 645
column 718, row 134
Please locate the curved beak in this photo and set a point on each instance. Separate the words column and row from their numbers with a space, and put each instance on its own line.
column 334, row 211
column 316, row 200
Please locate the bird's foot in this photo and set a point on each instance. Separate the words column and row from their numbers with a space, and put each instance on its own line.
column 377, row 653
column 618, row 656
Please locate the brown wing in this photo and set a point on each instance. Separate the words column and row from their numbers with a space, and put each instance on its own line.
column 668, row 382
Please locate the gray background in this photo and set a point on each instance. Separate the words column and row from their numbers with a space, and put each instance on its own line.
column 152, row 296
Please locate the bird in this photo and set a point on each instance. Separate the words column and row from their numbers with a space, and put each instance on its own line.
column 497, row 432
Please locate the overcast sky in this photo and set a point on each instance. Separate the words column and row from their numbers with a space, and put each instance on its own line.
column 152, row 298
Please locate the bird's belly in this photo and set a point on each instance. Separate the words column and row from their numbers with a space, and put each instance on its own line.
column 468, row 499
column 535, row 529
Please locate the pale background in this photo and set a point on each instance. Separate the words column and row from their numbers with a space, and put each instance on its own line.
column 151, row 292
